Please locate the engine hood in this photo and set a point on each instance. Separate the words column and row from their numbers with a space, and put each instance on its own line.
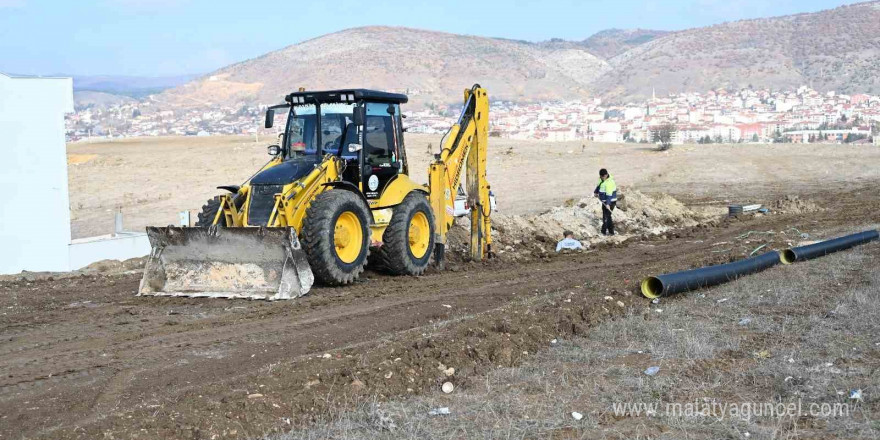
column 287, row 171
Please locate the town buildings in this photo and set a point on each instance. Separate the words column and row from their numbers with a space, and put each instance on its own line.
column 718, row 116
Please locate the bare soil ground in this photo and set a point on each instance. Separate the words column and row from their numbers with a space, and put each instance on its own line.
column 84, row 358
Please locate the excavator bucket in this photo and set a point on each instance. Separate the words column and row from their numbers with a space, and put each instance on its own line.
column 216, row 262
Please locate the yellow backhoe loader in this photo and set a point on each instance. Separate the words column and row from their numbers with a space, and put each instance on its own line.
column 336, row 196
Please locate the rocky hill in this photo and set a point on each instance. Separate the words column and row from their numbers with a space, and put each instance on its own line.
column 433, row 66
column 613, row 42
column 838, row 49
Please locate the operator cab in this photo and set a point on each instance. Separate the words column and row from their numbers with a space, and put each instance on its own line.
column 362, row 127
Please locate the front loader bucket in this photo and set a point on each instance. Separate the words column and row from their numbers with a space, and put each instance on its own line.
column 253, row 263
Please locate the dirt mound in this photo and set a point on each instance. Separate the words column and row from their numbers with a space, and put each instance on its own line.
column 638, row 215
column 115, row 266
column 103, row 267
column 794, row 205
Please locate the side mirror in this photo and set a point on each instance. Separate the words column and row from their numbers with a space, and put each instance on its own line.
column 359, row 115
column 274, row 150
column 354, row 148
column 270, row 118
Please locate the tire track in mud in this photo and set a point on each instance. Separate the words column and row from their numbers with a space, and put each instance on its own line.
column 204, row 335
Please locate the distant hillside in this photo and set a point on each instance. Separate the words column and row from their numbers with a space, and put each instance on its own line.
column 613, row 42
column 433, row 66
column 836, row 49
column 84, row 99
column 133, row 86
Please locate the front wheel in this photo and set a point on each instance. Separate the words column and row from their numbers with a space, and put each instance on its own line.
column 336, row 237
column 209, row 213
column 408, row 241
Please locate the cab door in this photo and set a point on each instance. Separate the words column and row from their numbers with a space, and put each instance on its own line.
column 382, row 160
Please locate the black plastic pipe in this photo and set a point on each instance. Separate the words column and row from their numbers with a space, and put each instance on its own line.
column 823, row 248
column 669, row 284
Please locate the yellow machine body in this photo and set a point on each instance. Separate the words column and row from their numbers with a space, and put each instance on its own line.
column 265, row 259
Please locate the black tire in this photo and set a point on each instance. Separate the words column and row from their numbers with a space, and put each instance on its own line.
column 395, row 256
column 208, row 212
column 318, row 236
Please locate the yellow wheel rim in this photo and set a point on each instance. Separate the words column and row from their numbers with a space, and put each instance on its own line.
column 348, row 237
column 419, row 234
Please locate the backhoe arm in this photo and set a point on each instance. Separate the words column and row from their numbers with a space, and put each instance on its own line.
column 464, row 146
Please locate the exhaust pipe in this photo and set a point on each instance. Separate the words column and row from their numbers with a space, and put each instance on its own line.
column 803, row 253
column 670, row 284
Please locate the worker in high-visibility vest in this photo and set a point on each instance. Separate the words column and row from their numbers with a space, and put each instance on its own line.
column 606, row 191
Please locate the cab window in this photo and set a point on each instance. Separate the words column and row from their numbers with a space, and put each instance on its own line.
column 380, row 135
column 301, row 134
column 337, row 129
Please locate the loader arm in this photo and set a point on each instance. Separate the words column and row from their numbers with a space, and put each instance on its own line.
column 464, row 146
column 291, row 204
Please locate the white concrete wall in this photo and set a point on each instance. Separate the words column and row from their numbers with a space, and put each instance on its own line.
column 86, row 251
column 35, row 208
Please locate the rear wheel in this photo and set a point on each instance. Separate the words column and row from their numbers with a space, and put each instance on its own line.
column 408, row 240
column 209, row 212
column 336, row 236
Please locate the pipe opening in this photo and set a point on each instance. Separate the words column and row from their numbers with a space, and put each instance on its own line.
column 652, row 287
column 788, row 256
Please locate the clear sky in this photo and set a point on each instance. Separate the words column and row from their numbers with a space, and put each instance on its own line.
column 173, row 37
